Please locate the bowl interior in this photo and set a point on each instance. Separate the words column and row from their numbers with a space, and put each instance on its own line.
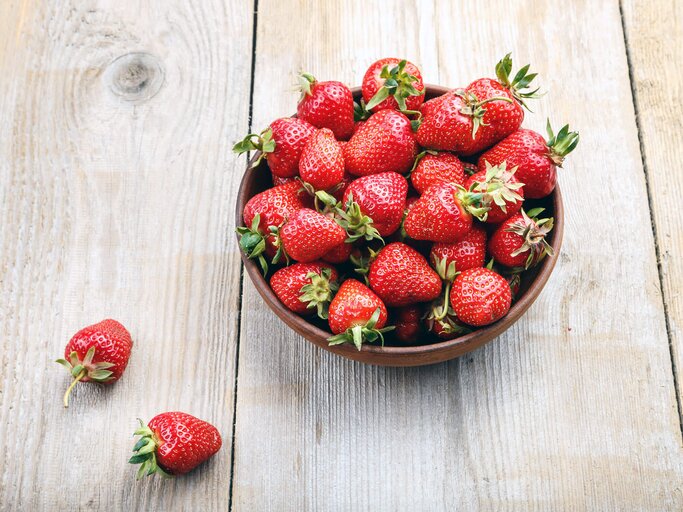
column 430, row 350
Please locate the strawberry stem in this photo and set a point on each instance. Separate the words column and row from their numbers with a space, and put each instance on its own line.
column 80, row 375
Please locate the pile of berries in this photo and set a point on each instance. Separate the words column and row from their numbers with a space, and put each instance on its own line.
column 400, row 214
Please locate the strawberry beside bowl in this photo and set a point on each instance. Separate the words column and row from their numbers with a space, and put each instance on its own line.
column 427, row 351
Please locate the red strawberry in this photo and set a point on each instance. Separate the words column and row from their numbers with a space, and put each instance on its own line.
column 384, row 143
column 174, row 443
column 393, row 83
column 431, row 168
column 305, row 286
column 442, row 214
column 408, row 324
column 479, row 296
column 322, row 162
column 382, row 197
column 357, row 315
column 503, row 194
column 281, row 145
column 338, row 254
column 97, row 353
column 470, row 252
column 326, row 105
column 535, row 158
column 270, row 208
column 309, row 235
column 400, row 276
column 520, row 241
column 466, row 121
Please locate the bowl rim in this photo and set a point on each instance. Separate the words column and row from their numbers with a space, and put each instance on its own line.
column 414, row 354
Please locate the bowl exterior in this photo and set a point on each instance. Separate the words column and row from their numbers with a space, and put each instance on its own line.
column 256, row 180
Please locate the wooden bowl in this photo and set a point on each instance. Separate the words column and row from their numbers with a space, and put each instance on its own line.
column 257, row 179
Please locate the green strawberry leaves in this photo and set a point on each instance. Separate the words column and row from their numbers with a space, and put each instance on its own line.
column 562, row 144
column 359, row 334
column 262, row 142
column 319, row 292
column 145, row 453
column 253, row 243
column 96, row 372
column 533, row 230
column 520, row 83
column 398, row 83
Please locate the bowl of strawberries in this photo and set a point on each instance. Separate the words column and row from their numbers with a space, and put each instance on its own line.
column 400, row 223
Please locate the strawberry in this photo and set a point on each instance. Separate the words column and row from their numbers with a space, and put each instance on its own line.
column 384, row 143
column 326, row 105
column 392, row 84
column 535, row 158
column 304, row 286
column 431, row 168
column 174, row 443
column 408, row 324
column 338, row 254
column 467, row 121
column 270, row 208
column 442, row 214
column 280, row 144
column 479, row 296
column 357, row 315
column 503, row 194
column 277, row 180
column 322, row 162
column 381, row 197
column 97, row 353
column 308, row 235
column 520, row 241
column 470, row 252
column 400, row 276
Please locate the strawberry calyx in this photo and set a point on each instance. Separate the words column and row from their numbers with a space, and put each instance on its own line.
column 499, row 187
column 145, row 452
column 253, row 242
column 447, row 272
column 533, row 230
column 360, row 111
column 519, row 85
column 361, row 262
column 280, row 252
column 397, row 83
column 356, row 224
column 475, row 108
column 262, row 142
column 362, row 333
column 472, row 201
column 445, row 324
column 306, row 82
column 79, row 369
column 319, row 292
column 560, row 145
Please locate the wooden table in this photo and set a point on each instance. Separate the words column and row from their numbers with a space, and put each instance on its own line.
column 117, row 185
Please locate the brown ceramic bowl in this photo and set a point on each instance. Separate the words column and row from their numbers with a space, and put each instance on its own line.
column 431, row 351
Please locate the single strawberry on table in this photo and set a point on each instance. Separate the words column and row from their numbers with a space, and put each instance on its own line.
column 97, row 353
column 326, row 105
column 467, row 121
column 280, row 144
column 307, row 236
column 322, row 163
column 306, row 288
column 392, row 84
column 357, row 315
column 266, row 210
column 401, row 276
column 503, row 193
column 480, row 296
column 443, row 214
column 520, row 241
column 433, row 167
column 174, row 443
column 536, row 159
column 384, row 143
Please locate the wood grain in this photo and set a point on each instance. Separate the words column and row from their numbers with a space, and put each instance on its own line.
column 573, row 408
column 116, row 202
column 652, row 30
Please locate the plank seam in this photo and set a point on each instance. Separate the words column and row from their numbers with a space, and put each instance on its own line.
column 653, row 224
column 241, row 285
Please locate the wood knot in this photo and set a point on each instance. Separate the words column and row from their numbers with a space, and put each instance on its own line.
column 135, row 77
